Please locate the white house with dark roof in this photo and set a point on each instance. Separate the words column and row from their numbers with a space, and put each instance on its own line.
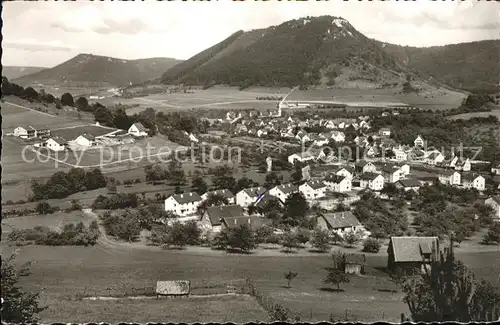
column 138, row 130
column 408, row 184
column 496, row 170
column 282, row 192
column 56, row 144
column 346, row 171
column 86, row 140
column 449, row 177
column 313, row 189
column 337, row 136
column 225, row 193
column 301, row 157
column 476, row 181
column 249, row 196
column 494, row 203
column 400, row 155
column 434, row 158
column 391, row 173
column 340, row 223
column 461, row 164
column 338, row 183
column 183, row 204
column 29, row 132
column 384, row 132
column 372, row 181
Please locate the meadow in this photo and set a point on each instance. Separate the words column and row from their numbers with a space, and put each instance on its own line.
column 467, row 116
column 66, row 274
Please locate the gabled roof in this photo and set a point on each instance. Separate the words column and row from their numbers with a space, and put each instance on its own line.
column 252, row 221
column 470, row 176
column 341, row 219
column 434, row 155
column 140, row 127
column 266, row 198
column 411, row 182
column 88, row 136
column 334, row 178
column 447, row 172
column 287, row 188
column 315, row 185
column 362, row 163
column 186, row 197
column 369, row 176
column 255, row 192
column 225, row 193
column 216, row 213
column 59, row 140
column 410, row 249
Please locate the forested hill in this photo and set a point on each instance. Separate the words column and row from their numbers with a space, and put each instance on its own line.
column 469, row 66
column 306, row 51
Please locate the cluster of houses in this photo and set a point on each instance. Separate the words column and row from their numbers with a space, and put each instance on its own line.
column 78, row 139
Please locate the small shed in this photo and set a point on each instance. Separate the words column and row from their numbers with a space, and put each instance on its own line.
column 173, row 288
column 354, row 263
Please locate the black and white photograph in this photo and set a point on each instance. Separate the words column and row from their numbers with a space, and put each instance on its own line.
column 241, row 161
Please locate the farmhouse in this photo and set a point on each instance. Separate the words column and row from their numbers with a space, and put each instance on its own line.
column 338, row 183
column 86, row 140
column 29, row 132
column 364, row 166
column 494, row 203
column 354, row 263
column 301, row 157
column 212, row 218
column 56, row 144
column 313, row 190
column 473, row 181
column 449, row 177
column 339, row 222
column 408, row 184
column 374, row 182
column 183, row 204
column 282, row 192
column 411, row 254
column 249, row 196
column 138, row 130
column 225, row 193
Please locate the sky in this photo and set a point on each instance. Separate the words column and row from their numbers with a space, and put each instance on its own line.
column 48, row 33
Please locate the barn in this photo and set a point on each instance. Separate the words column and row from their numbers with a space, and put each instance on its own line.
column 355, row 263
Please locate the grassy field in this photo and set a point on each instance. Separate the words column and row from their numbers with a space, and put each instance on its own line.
column 66, row 273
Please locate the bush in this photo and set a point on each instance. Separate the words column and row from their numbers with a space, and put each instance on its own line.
column 70, row 235
column 371, row 245
column 44, row 208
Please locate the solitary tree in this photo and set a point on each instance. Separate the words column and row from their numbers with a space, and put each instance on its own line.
column 336, row 277
column 67, row 100
column 321, row 240
column 289, row 277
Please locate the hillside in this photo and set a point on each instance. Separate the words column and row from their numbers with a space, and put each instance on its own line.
column 467, row 66
column 13, row 72
column 89, row 69
column 309, row 51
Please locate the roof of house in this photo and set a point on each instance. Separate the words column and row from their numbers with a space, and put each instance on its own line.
column 447, row 172
column 59, row 140
column 389, row 168
column 216, row 213
column 410, row 249
column 140, row 127
column 354, row 258
column 252, row 221
column 385, row 129
column 225, row 193
column 287, row 188
column 186, row 197
column 362, row 163
column 88, row 136
column 334, row 178
column 470, row 176
column 341, row 219
column 433, row 155
column 255, row 192
column 368, row 176
column 410, row 182
column 266, row 198
column 315, row 185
